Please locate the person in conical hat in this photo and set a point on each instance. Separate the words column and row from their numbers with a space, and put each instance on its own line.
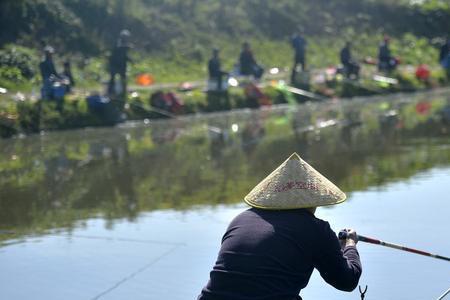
column 270, row 250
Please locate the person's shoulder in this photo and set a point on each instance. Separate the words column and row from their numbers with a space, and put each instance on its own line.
column 244, row 216
column 321, row 223
column 248, row 212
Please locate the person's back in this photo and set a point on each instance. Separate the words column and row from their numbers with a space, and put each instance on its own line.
column 299, row 44
column 272, row 254
column 119, row 59
column 214, row 68
column 346, row 56
column 384, row 53
column 350, row 67
column 47, row 67
column 247, row 62
column 215, row 71
column 386, row 63
column 118, row 62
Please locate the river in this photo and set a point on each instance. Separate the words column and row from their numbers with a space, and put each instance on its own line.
column 138, row 211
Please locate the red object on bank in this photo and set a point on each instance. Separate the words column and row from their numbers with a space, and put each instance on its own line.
column 423, row 108
column 423, row 72
column 252, row 91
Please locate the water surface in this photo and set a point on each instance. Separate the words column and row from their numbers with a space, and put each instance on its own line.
column 137, row 212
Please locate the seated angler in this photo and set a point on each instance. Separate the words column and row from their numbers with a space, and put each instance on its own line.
column 386, row 62
column 248, row 64
column 351, row 68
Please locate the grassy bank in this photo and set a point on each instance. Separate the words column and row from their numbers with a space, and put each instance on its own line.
column 19, row 65
column 184, row 59
column 31, row 116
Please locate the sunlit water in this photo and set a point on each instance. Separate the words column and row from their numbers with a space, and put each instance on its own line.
column 138, row 212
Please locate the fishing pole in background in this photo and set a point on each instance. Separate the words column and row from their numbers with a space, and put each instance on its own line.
column 343, row 236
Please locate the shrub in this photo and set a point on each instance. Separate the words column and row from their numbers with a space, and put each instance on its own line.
column 16, row 60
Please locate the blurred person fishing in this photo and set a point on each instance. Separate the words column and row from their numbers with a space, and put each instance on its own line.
column 299, row 45
column 48, row 72
column 248, row 64
column 67, row 73
column 118, row 63
column 270, row 250
column 386, row 62
column 351, row 67
column 215, row 71
column 55, row 85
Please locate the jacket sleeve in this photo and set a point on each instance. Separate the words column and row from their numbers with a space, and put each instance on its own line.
column 340, row 268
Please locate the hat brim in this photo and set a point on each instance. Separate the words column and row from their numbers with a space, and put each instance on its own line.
column 294, row 185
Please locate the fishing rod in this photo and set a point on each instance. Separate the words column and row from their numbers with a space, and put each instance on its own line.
column 154, row 109
column 304, row 93
column 444, row 295
column 343, row 235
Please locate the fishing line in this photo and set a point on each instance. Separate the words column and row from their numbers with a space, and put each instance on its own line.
column 110, row 239
column 132, row 275
column 113, row 239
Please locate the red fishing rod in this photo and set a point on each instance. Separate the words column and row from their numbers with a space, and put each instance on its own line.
column 343, row 236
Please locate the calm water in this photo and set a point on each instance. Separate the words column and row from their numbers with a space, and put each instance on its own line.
column 137, row 212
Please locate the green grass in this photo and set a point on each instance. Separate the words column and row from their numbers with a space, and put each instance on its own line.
column 191, row 64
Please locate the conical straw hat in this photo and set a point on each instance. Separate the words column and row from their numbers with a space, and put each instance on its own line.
column 294, row 184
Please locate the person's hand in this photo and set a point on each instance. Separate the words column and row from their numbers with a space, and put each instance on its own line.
column 351, row 240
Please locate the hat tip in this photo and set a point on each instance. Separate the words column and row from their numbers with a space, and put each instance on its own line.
column 295, row 156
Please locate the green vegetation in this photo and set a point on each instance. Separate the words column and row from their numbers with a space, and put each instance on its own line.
column 173, row 40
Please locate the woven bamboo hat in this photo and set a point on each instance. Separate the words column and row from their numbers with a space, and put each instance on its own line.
column 293, row 185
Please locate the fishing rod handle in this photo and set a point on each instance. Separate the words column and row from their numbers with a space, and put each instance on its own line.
column 343, row 235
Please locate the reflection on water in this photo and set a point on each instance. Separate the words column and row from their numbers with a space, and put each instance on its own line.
column 167, row 254
column 53, row 180
column 132, row 212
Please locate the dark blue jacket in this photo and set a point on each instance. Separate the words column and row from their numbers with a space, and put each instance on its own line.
column 299, row 44
column 384, row 53
column 214, row 68
column 346, row 56
column 47, row 69
column 271, row 255
column 247, row 62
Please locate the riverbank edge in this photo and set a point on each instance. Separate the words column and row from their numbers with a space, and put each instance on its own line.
column 90, row 120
